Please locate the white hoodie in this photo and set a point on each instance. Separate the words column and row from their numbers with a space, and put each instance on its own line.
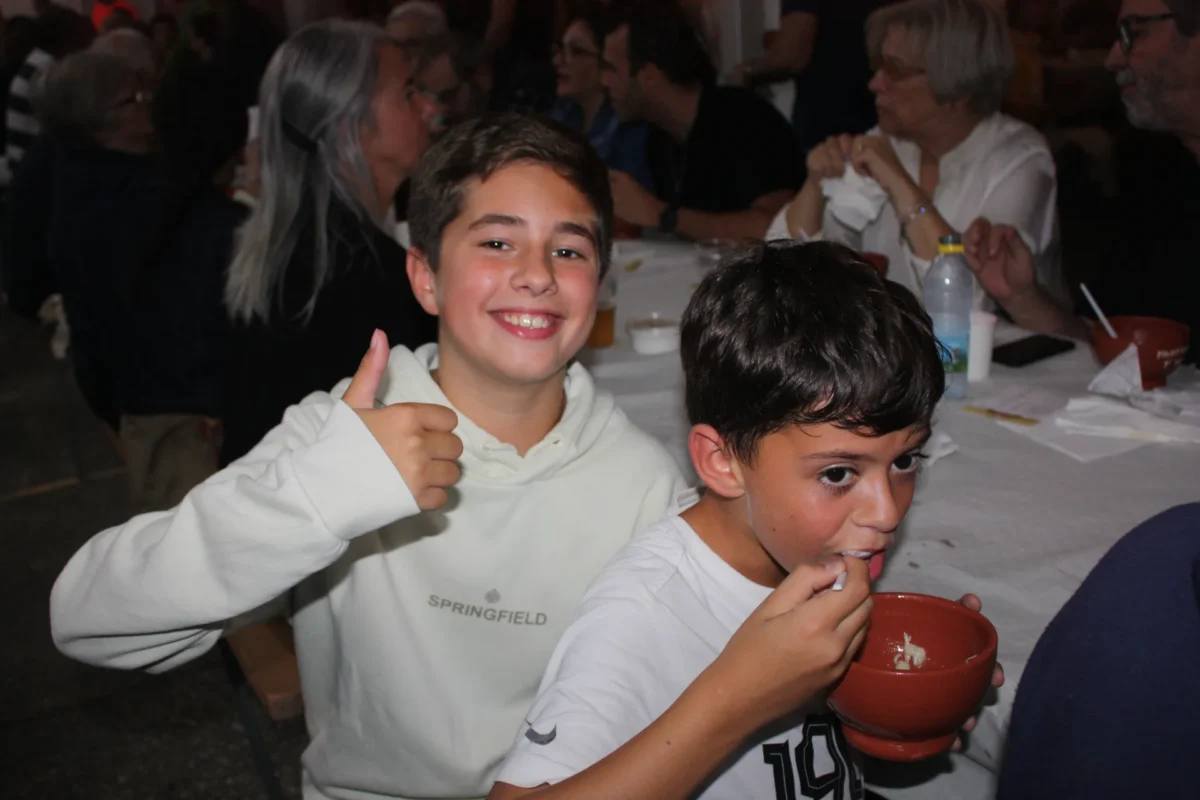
column 421, row 637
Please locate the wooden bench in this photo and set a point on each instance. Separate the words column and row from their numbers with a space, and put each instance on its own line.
column 266, row 653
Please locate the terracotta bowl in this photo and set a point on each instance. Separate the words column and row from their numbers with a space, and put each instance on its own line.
column 910, row 715
column 877, row 260
column 1162, row 345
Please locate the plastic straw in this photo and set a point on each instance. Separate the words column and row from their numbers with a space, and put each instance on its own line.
column 1099, row 314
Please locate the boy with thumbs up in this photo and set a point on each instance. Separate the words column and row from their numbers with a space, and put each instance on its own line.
column 431, row 532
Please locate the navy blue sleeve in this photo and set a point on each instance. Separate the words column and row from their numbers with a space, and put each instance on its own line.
column 1109, row 704
column 629, row 154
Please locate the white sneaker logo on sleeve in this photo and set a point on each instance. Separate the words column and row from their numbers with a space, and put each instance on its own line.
column 540, row 738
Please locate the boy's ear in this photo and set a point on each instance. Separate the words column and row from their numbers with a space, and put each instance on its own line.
column 715, row 465
column 423, row 280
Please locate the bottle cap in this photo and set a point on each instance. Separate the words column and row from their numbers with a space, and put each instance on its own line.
column 950, row 243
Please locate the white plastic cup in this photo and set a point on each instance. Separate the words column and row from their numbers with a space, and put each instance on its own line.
column 979, row 354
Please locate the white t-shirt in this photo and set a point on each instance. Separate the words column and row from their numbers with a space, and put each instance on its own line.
column 653, row 620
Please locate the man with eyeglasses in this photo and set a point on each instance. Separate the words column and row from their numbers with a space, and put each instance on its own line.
column 1152, row 270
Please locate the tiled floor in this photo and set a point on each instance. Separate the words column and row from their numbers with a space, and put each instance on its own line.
column 68, row 730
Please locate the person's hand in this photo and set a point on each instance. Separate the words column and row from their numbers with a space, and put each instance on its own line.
column 798, row 642
column 972, row 602
column 418, row 437
column 631, row 202
column 829, row 158
column 873, row 156
column 1000, row 260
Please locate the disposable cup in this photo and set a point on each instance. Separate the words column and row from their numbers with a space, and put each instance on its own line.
column 979, row 353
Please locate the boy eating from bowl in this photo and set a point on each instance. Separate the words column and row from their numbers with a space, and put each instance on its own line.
column 696, row 664
column 425, row 602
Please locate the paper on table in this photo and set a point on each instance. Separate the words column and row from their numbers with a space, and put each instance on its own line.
column 1018, row 407
column 1102, row 416
column 1031, row 412
column 1084, row 449
column 1179, row 400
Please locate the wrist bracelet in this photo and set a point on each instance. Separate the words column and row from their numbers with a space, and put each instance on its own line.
column 912, row 215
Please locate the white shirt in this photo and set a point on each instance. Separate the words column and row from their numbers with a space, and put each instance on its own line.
column 653, row 620
column 421, row 637
column 1003, row 171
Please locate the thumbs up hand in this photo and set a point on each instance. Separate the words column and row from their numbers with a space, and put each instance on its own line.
column 418, row 437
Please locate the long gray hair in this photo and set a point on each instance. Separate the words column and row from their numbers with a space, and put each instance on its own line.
column 314, row 99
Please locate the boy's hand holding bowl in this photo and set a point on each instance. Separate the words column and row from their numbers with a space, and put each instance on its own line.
column 907, row 709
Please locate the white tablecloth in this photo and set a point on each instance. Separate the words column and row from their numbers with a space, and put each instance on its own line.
column 1006, row 518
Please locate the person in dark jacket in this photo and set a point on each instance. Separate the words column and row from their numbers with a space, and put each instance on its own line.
column 97, row 121
column 1109, row 704
column 172, row 392
column 314, row 273
column 138, row 245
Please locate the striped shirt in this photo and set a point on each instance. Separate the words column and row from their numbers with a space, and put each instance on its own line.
column 22, row 124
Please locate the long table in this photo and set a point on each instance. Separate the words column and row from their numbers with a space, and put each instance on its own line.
column 1006, row 518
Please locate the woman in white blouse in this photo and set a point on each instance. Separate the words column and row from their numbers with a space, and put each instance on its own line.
column 942, row 154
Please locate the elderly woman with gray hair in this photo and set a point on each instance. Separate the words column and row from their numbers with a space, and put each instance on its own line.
column 315, row 273
column 942, row 154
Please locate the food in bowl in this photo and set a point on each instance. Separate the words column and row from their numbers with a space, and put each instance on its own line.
column 1162, row 345
column 910, row 656
column 908, row 715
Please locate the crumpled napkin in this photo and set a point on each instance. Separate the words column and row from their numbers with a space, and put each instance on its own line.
column 939, row 446
column 854, row 200
column 1122, row 377
column 1178, row 401
column 1104, row 416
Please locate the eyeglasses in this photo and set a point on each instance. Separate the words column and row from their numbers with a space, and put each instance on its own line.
column 894, row 71
column 572, row 51
column 1130, row 27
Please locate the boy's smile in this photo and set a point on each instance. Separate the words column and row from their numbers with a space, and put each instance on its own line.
column 528, row 324
column 516, row 283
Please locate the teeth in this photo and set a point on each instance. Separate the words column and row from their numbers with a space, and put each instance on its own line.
column 532, row 321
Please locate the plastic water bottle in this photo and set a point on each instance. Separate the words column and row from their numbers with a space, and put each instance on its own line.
column 949, row 295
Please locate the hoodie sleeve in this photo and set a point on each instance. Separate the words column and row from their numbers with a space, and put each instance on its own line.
column 667, row 493
column 160, row 590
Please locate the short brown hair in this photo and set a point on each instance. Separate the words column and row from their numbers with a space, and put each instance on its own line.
column 478, row 148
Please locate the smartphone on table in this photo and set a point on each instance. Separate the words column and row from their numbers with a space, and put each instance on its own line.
column 1030, row 350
